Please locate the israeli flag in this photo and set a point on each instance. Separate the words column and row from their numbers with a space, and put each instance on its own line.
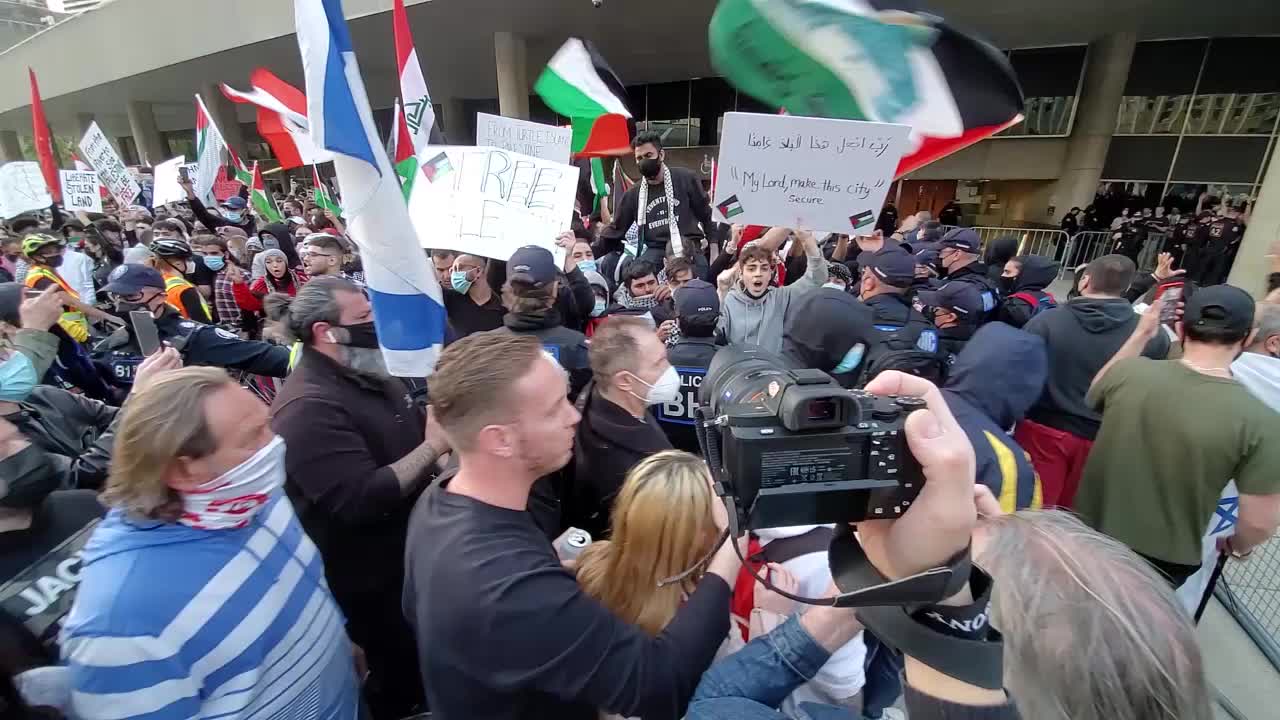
column 408, row 308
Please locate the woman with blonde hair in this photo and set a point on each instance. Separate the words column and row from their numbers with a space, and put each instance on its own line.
column 664, row 531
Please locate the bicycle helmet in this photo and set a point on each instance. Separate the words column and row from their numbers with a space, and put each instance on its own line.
column 33, row 242
column 167, row 248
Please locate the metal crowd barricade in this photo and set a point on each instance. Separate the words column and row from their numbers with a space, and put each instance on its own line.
column 1031, row 241
column 1086, row 247
column 1250, row 591
column 1148, row 258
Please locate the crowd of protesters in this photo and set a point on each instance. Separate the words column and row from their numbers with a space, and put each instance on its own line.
column 273, row 525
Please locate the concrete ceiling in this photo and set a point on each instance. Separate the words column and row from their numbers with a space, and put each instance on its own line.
column 645, row 41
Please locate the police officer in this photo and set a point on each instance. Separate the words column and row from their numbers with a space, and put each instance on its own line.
column 900, row 337
column 1225, row 232
column 697, row 313
column 956, row 309
column 529, row 294
column 138, row 287
column 958, row 257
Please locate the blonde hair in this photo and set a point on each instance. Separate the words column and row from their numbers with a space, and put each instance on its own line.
column 1091, row 632
column 662, row 525
column 162, row 420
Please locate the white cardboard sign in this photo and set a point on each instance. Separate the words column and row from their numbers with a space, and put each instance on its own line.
column 111, row 169
column 812, row 173
column 22, row 189
column 167, row 190
column 528, row 138
column 489, row 201
column 80, row 191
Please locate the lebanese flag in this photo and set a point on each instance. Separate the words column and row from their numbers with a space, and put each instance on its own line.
column 44, row 141
column 420, row 115
column 580, row 85
column 872, row 61
column 282, row 118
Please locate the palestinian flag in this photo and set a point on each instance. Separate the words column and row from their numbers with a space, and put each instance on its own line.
column 210, row 149
column 437, row 166
column 868, row 60
column 580, row 85
column 323, row 199
column 258, row 197
column 402, row 151
column 730, row 207
column 862, row 219
column 282, row 118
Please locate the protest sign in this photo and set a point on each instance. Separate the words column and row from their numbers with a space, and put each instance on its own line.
column 489, row 201
column 22, row 189
column 529, row 138
column 80, row 191
column 111, row 169
column 167, row 190
column 815, row 173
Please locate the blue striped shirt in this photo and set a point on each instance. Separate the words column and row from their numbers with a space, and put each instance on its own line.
column 174, row 622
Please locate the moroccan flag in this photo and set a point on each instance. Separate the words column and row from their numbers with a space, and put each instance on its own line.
column 323, row 199
column 419, row 113
column 210, row 149
column 868, row 60
column 44, row 141
column 282, row 118
column 580, row 85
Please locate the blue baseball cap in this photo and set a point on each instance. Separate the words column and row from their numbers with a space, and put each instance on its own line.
column 130, row 279
column 891, row 266
column 959, row 297
column 235, row 202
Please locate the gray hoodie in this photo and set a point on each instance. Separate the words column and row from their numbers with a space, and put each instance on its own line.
column 760, row 321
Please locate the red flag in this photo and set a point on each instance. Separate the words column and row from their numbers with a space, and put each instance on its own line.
column 44, row 141
column 403, row 141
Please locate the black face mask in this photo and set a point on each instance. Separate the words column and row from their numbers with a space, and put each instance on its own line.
column 31, row 478
column 53, row 262
column 360, row 335
column 1007, row 284
column 650, row 168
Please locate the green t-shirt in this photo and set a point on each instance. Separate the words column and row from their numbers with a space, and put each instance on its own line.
column 1170, row 440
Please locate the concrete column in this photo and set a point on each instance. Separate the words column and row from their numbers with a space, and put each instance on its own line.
column 454, row 121
column 142, row 123
column 224, row 116
column 1252, row 266
column 83, row 121
column 1095, row 121
column 512, row 59
column 10, row 148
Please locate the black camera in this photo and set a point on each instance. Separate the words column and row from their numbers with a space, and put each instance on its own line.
column 794, row 448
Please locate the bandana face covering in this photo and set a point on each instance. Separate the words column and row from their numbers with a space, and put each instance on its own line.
column 231, row 500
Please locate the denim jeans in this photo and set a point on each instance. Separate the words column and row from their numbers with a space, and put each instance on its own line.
column 884, row 677
column 753, row 682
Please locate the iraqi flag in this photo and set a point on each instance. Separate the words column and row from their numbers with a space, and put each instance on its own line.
column 407, row 306
column 581, row 86
column 420, row 114
column 44, row 141
column 282, row 118
column 868, row 60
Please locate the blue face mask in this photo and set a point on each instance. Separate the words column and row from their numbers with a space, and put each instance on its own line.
column 599, row 308
column 852, row 359
column 214, row 263
column 17, row 378
column 587, row 266
column 458, row 279
column 232, row 215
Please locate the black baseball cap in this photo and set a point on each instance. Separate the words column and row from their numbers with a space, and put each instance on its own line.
column 961, row 298
column 962, row 239
column 532, row 264
column 130, row 279
column 1224, row 307
column 697, row 297
column 892, row 267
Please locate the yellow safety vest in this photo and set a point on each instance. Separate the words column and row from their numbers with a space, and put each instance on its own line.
column 174, row 286
column 72, row 321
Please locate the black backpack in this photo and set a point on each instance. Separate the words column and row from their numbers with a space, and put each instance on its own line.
column 907, row 344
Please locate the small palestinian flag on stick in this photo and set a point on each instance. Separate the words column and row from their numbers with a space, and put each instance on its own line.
column 862, row 219
column 730, row 207
column 437, row 166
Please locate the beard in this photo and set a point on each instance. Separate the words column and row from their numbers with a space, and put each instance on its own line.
column 365, row 361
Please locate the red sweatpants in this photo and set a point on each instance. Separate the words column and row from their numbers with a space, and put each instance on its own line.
column 1058, row 457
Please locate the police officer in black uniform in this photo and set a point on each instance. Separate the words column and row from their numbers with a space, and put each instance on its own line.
column 530, row 294
column 697, row 311
column 1225, row 232
column 900, row 337
column 1179, row 237
column 138, row 287
column 958, row 257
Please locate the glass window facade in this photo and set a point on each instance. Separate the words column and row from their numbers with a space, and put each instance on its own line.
column 1050, row 79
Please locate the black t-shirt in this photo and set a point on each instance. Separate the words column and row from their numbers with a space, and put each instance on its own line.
column 505, row 632
column 40, row 566
column 466, row 317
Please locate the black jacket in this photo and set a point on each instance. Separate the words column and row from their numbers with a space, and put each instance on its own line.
column 568, row 347
column 199, row 344
column 574, row 298
column 212, row 222
column 77, row 434
column 1029, row 297
column 609, row 442
column 1081, row 336
column 692, row 207
column 281, row 238
column 992, row 383
column 978, row 275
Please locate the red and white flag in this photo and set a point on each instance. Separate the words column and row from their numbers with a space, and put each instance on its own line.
column 418, row 111
column 282, row 119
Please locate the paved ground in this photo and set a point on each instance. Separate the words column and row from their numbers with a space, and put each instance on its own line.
column 1236, row 668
